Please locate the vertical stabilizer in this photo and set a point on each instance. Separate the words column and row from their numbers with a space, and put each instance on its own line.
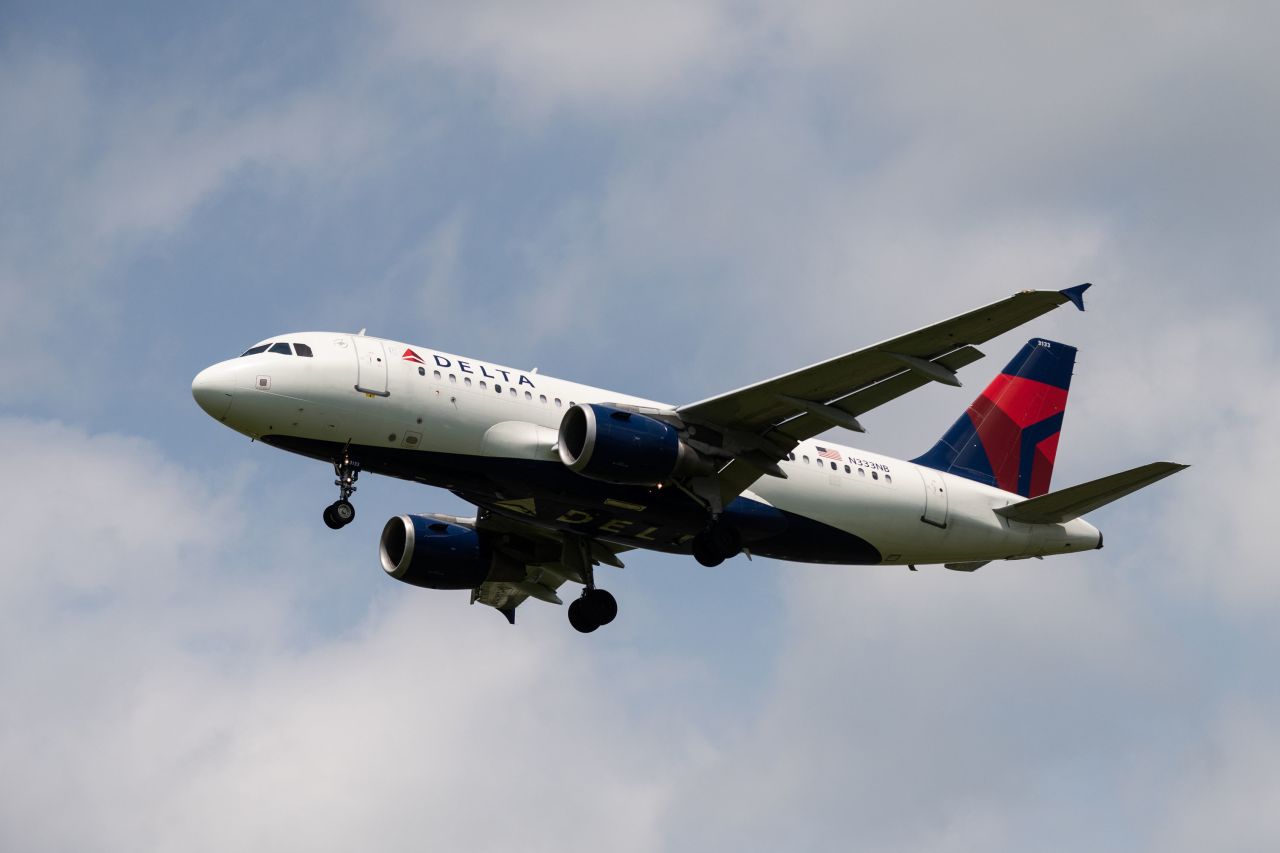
column 1008, row 437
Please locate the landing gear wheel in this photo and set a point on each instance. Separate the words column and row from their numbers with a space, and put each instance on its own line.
column 581, row 616
column 602, row 606
column 717, row 543
column 705, row 552
column 339, row 514
column 343, row 512
column 726, row 539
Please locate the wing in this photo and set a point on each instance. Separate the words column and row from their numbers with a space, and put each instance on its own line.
column 759, row 424
column 531, row 561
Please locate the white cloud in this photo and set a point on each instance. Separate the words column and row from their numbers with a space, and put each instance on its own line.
column 168, row 698
column 542, row 55
column 172, row 695
column 97, row 174
column 1229, row 797
column 921, row 711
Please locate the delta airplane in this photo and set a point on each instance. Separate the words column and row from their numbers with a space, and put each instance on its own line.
column 566, row 477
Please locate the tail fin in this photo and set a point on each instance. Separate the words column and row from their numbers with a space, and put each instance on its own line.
column 1008, row 437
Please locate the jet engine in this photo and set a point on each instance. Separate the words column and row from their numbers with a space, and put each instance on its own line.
column 430, row 553
column 618, row 446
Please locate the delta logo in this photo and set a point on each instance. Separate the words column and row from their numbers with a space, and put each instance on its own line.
column 410, row 355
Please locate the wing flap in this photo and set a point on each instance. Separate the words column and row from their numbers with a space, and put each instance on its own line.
column 808, row 425
column 1066, row 504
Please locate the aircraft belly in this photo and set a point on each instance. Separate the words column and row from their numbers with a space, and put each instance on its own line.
column 550, row 495
column 804, row 518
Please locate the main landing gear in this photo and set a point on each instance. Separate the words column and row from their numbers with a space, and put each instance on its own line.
column 594, row 608
column 340, row 513
column 719, row 541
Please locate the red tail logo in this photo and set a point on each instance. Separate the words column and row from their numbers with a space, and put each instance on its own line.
column 410, row 355
column 1008, row 437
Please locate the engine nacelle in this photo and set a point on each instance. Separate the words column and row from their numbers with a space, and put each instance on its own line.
column 430, row 553
column 619, row 446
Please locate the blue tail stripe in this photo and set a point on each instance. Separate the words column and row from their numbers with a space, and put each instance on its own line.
column 960, row 452
column 1031, row 436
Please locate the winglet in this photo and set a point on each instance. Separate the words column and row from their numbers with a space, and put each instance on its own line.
column 1076, row 294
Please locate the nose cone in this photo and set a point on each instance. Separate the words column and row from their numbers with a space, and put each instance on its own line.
column 212, row 389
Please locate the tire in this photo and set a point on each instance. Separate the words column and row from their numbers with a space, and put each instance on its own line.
column 726, row 540
column 329, row 520
column 581, row 617
column 704, row 551
column 343, row 512
column 602, row 606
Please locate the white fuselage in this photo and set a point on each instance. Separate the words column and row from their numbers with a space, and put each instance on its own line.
column 369, row 392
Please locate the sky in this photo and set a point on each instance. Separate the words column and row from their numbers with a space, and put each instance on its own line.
column 670, row 199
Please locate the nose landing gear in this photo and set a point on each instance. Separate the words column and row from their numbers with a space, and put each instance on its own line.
column 341, row 512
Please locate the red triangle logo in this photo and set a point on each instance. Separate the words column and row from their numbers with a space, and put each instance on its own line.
column 410, row 355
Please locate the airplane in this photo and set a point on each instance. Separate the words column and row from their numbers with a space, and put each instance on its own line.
column 567, row 477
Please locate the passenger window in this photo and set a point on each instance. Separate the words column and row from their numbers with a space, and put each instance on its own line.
column 875, row 475
column 453, row 379
column 497, row 387
column 833, row 466
column 436, row 374
column 512, row 391
column 558, row 403
column 529, row 396
column 806, row 460
column 281, row 348
column 846, row 469
column 542, row 398
column 862, row 473
column 484, row 386
column 888, row 479
column 255, row 350
column 302, row 350
column 422, row 371
column 466, row 380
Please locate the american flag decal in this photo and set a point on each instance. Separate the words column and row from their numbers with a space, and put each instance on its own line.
column 829, row 454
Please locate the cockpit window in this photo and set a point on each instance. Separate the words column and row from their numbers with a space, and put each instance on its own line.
column 302, row 349
column 281, row 348
column 255, row 350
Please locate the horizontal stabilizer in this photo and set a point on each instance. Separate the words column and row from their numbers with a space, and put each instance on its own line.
column 1066, row 504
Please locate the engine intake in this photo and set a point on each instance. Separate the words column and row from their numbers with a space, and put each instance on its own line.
column 618, row 446
column 430, row 553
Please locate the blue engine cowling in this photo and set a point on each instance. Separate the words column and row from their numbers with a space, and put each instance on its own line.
column 619, row 446
column 430, row 553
